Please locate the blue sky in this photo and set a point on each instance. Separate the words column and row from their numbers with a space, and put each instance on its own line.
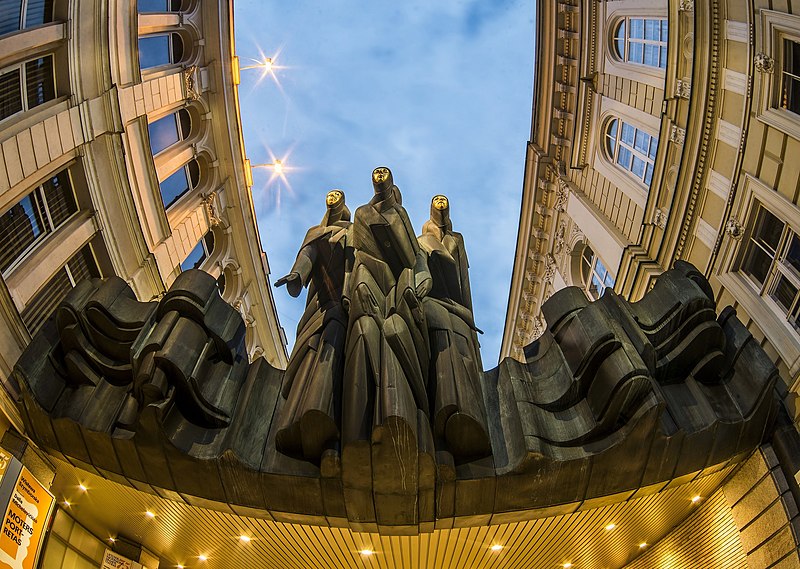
column 440, row 92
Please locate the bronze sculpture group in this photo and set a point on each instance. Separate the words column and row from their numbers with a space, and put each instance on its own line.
column 386, row 349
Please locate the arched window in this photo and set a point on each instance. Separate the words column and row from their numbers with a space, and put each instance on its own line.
column 160, row 49
column 168, row 130
column 595, row 277
column 180, row 182
column 642, row 41
column 632, row 149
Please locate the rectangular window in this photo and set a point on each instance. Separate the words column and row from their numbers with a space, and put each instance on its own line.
column 771, row 259
column 16, row 15
column 27, row 85
column 34, row 217
column 168, row 130
column 158, row 6
column 81, row 266
column 790, row 77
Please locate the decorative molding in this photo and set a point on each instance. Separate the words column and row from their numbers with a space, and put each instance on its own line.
column 562, row 196
column 660, row 217
column 683, row 88
column 764, row 63
column 191, row 84
column 677, row 134
column 686, row 6
column 734, row 228
column 211, row 211
column 558, row 245
column 550, row 269
column 538, row 327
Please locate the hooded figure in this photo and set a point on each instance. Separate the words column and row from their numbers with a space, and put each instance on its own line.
column 310, row 415
column 458, row 413
column 385, row 395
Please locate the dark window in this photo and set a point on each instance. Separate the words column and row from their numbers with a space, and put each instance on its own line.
column 790, row 79
column 771, row 258
column 168, row 130
column 36, row 215
column 81, row 266
column 19, row 14
column 161, row 49
column 180, row 182
column 642, row 41
column 26, row 86
column 200, row 253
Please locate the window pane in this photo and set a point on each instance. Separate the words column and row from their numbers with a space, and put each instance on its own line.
column 785, row 293
column 151, row 5
column 185, row 121
column 793, row 253
column 648, row 174
column 637, row 28
column 756, row 263
column 174, row 187
column 154, row 51
column 653, row 147
column 19, row 228
column 652, row 29
column 38, row 12
column 642, row 143
column 663, row 61
column 664, row 30
column 10, row 16
column 195, row 258
column 628, row 134
column 790, row 81
column 651, row 54
column 208, row 239
column 768, row 229
column 163, row 133
column 83, row 266
column 60, row 198
column 10, row 94
column 638, row 167
column 39, row 80
column 635, row 53
column 177, row 47
column 45, row 301
column 624, row 157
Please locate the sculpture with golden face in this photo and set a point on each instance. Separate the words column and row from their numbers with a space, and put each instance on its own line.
column 440, row 202
column 333, row 197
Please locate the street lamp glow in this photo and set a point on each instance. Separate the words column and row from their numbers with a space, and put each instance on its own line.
column 265, row 65
column 277, row 166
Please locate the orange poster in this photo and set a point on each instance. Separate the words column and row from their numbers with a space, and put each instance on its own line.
column 25, row 522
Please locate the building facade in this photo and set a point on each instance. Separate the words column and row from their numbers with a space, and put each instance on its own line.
column 666, row 130
column 122, row 153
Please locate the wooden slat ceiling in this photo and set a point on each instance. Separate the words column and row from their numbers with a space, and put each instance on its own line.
column 180, row 533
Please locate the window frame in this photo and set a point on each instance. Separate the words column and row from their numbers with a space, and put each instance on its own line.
column 23, row 83
column 627, row 40
column 765, row 312
column 52, row 229
column 588, row 270
column 23, row 18
column 170, row 49
column 617, row 143
column 770, row 35
column 181, row 137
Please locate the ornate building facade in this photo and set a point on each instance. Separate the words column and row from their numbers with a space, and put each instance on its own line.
column 122, row 153
column 666, row 130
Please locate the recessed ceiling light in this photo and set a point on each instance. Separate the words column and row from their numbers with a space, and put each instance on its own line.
column 180, row 567
column 366, row 551
column 244, row 538
column 149, row 514
column 567, row 565
column 112, row 539
column 202, row 557
column 609, row 527
column 67, row 503
column 496, row 547
column 82, row 487
column 696, row 499
column 642, row 545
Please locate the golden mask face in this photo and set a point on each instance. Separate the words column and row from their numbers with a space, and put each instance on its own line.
column 380, row 175
column 334, row 197
column 439, row 202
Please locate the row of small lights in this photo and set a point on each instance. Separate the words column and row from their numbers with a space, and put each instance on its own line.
column 367, row 551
